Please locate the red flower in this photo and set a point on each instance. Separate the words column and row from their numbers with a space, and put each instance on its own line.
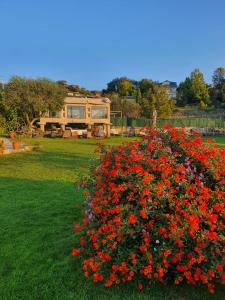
column 162, row 230
column 171, row 187
column 140, row 286
column 219, row 268
column 132, row 219
column 75, row 252
column 179, row 243
column 143, row 214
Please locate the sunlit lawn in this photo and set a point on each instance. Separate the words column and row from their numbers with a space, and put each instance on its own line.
column 38, row 203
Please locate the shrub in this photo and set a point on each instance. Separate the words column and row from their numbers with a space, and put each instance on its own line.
column 155, row 212
column 2, row 146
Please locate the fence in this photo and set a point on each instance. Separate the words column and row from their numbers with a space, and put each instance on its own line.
column 184, row 122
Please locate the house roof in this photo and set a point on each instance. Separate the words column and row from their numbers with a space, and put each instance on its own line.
column 85, row 100
column 170, row 83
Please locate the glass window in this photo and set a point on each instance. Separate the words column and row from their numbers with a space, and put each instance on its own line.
column 99, row 112
column 76, row 112
column 54, row 114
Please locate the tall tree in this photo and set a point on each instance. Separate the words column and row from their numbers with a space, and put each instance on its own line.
column 145, row 85
column 131, row 109
column 122, row 85
column 138, row 95
column 185, row 93
column 32, row 98
column 219, row 76
column 193, row 90
column 217, row 92
column 199, row 87
column 158, row 98
column 116, row 103
column 125, row 88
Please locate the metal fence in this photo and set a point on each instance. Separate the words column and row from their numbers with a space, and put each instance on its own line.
column 183, row 122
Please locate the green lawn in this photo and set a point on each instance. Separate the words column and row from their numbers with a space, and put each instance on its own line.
column 220, row 140
column 38, row 203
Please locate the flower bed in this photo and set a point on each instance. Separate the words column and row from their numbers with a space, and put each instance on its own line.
column 155, row 211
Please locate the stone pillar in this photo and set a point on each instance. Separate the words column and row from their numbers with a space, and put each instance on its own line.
column 154, row 117
column 107, row 129
column 42, row 127
column 63, row 127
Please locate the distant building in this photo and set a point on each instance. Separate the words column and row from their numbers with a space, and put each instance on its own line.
column 80, row 112
column 172, row 88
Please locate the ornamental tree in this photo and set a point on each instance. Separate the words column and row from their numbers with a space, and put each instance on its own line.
column 155, row 211
column 32, row 98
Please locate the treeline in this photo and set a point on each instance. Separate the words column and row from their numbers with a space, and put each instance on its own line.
column 195, row 91
column 139, row 98
column 133, row 98
column 24, row 100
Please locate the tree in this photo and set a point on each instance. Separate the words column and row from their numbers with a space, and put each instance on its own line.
column 9, row 117
column 62, row 83
column 185, row 93
column 145, row 85
column 32, row 98
column 217, row 92
column 2, row 102
column 116, row 103
column 125, row 88
column 219, row 76
column 131, row 109
column 199, row 87
column 193, row 90
column 159, row 99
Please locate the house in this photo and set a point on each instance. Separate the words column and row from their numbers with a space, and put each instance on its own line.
column 80, row 112
column 172, row 88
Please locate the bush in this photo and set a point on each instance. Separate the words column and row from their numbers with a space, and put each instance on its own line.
column 155, row 212
column 2, row 146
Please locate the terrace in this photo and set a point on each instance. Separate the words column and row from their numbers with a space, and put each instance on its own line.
column 80, row 113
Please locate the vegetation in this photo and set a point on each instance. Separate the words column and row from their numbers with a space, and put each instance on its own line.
column 146, row 95
column 32, row 98
column 24, row 101
column 9, row 117
column 217, row 92
column 38, row 205
column 150, row 94
column 194, row 90
column 2, row 146
column 155, row 211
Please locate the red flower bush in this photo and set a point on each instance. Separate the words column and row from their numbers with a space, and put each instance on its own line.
column 155, row 211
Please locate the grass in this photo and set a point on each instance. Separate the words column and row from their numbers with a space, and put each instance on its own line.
column 220, row 140
column 38, row 203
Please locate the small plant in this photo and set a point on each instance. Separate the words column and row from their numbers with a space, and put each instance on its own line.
column 16, row 141
column 155, row 211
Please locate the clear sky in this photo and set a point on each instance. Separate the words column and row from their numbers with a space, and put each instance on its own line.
column 90, row 42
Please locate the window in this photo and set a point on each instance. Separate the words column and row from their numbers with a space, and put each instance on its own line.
column 76, row 112
column 54, row 114
column 99, row 112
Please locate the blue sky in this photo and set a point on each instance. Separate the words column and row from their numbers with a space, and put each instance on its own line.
column 90, row 42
